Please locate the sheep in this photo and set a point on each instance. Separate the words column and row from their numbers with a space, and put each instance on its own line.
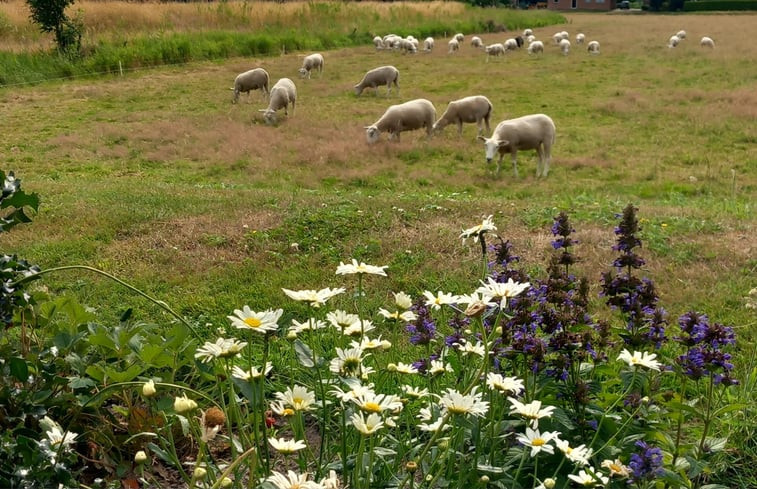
column 476, row 108
column 681, row 34
column 378, row 42
column 519, row 41
column 511, row 45
column 383, row 75
column 391, row 40
column 530, row 39
column 497, row 49
column 250, row 80
column 593, row 47
column 428, row 44
column 407, row 46
column 415, row 114
column 535, row 131
column 673, row 41
column 309, row 63
column 476, row 42
column 707, row 42
column 565, row 35
column 282, row 94
column 556, row 38
column 454, row 45
column 414, row 42
column 565, row 46
column 528, row 32
column 536, row 47
column 459, row 37
column 580, row 37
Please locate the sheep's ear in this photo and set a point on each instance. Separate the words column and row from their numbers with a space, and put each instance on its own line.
column 481, row 138
column 504, row 143
column 366, row 127
column 262, row 110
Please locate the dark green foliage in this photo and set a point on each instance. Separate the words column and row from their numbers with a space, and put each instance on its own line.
column 719, row 5
column 51, row 16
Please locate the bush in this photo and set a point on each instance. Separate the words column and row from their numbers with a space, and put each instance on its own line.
column 719, row 5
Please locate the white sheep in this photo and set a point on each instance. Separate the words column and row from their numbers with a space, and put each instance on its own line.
column 681, row 34
column 565, row 46
column 707, row 42
column 415, row 114
column 407, row 46
column 496, row 49
column 428, row 44
column 673, row 41
column 528, row 32
column 383, row 75
column 530, row 39
column 476, row 42
column 511, row 45
column 250, row 80
column 535, row 131
column 593, row 47
column 556, row 38
column 459, row 37
column 391, row 40
column 580, row 38
column 312, row 62
column 536, row 47
column 454, row 45
column 476, row 108
column 378, row 42
column 565, row 35
column 283, row 93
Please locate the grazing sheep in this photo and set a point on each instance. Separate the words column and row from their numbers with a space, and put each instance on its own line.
column 454, row 45
column 414, row 41
column 428, row 44
column 565, row 35
column 391, row 41
column 528, row 32
column 707, row 42
column 383, row 75
column 556, row 38
column 535, row 131
column 250, row 80
column 536, row 47
column 530, row 39
column 282, row 94
column 580, row 38
column 519, row 40
column 673, row 41
column 309, row 63
column 593, row 47
column 409, row 116
column 378, row 42
column 681, row 34
column 476, row 42
column 476, row 108
column 407, row 46
column 511, row 45
column 497, row 49
column 459, row 37
column 565, row 46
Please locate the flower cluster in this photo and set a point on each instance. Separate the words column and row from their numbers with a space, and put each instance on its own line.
column 705, row 341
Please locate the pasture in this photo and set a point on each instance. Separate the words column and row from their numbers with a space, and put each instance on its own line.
column 157, row 178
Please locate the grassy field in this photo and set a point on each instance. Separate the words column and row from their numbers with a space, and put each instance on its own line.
column 157, row 178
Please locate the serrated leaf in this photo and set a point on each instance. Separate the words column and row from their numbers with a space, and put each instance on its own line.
column 80, row 383
column 304, row 354
column 127, row 375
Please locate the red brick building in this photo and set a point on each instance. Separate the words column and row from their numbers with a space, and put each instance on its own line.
column 603, row 5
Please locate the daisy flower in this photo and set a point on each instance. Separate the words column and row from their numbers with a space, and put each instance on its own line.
column 640, row 359
column 502, row 291
column 359, row 328
column 183, row 404
column 370, row 402
column 539, row 442
column 405, row 368
column 531, row 410
column 578, row 455
column 315, row 298
column 404, row 316
column 55, row 434
column 342, row 319
column 589, row 479
column 402, row 300
column 348, row 362
column 616, row 468
column 367, row 426
column 369, row 344
column 438, row 367
column 359, row 268
column 252, row 372
column 309, row 325
column 222, row 348
column 441, row 298
column 511, row 385
column 356, row 391
column 457, row 403
column 332, row 481
column 297, row 397
column 470, row 348
column 414, row 392
column 285, row 446
column 292, row 480
column 281, row 410
column 261, row 322
column 477, row 231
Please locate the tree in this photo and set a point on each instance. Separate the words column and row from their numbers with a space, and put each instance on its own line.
column 51, row 16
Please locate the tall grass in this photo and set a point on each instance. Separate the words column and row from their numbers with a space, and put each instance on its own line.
column 122, row 35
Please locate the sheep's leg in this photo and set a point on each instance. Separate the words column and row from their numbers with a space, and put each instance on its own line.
column 514, row 156
column 540, row 161
column 547, row 159
column 293, row 102
column 499, row 162
column 460, row 128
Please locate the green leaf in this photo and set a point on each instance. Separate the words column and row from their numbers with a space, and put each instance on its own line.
column 304, row 354
column 19, row 368
column 96, row 372
column 80, row 383
column 127, row 375
column 715, row 444
column 162, row 454
column 729, row 408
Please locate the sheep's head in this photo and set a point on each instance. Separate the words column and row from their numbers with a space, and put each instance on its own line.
column 303, row 72
column 268, row 115
column 372, row 134
column 358, row 89
column 492, row 147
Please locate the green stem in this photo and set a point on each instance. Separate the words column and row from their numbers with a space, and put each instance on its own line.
column 520, row 467
column 707, row 416
column 679, row 429
column 604, row 415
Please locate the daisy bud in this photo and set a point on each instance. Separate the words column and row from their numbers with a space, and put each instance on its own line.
column 484, row 479
column 183, row 404
column 411, row 466
column 226, row 482
column 498, row 330
column 291, row 335
column 549, row 483
column 392, row 367
column 199, row 473
column 140, row 457
column 148, row 389
column 386, row 344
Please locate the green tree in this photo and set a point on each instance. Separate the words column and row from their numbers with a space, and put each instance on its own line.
column 51, row 16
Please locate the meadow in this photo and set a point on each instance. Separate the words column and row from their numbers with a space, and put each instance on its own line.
column 156, row 178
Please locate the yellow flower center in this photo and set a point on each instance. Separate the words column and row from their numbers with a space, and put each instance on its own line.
column 287, row 412
column 537, row 442
column 457, row 410
column 253, row 322
column 371, row 407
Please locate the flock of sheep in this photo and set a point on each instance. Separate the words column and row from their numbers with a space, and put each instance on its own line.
column 530, row 132
column 675, row 40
